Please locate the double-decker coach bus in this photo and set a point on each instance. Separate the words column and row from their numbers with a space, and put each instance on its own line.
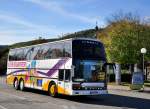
column 72, row 67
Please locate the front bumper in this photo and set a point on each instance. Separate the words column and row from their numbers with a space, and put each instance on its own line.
column 89, row 92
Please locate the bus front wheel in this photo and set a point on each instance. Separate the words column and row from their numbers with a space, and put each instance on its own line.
column 52, row 90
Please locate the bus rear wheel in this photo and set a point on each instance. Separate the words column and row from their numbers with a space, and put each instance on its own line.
column 21, row 85
column 52, row 90
column 16, row 85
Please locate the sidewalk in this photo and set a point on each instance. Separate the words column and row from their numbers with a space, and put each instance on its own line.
column 125, row 88
column 118, row 87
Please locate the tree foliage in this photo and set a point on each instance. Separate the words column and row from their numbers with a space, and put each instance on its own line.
column 124, row 37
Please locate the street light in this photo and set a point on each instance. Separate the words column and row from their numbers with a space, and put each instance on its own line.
column 143, row 51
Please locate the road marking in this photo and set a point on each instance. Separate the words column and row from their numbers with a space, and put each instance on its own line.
column 2, row 107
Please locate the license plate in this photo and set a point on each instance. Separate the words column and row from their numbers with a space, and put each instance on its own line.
column 93, row 92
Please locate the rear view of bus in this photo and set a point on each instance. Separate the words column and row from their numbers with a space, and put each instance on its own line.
column 89, row 74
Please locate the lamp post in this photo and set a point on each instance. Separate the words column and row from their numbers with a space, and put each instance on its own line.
column 138, row 77
column 143, row 51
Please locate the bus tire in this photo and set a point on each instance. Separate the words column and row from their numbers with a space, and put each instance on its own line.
column 16, row 84
column 52, row 90
column 21, row 85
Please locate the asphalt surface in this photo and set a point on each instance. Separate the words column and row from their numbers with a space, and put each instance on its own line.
column 35, row 99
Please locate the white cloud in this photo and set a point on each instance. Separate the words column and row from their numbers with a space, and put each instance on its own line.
column 16, row 20
column 9, row 38
column 14, row 36
column 147, row 18
column 21, row 30
column 57, row 7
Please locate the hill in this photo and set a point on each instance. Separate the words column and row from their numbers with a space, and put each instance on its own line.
column 90, row 33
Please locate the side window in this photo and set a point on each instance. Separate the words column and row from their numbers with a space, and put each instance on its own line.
column 19, row 54
column 61, row 75
column 67, row 75
column 32, row 53
column 57, row 50
column 15, row 55
column 37, row 53
column 28, row 52
column 12, row 55
column 46, row 51
column 67, row 49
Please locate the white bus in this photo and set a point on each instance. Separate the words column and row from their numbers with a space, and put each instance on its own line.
column 72, row 67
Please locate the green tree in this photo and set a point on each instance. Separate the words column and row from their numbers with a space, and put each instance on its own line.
column 124, row 37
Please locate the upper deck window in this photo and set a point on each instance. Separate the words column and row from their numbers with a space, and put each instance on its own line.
column 88, row 49
column 40, row 52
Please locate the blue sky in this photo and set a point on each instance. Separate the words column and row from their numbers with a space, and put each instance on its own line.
column 24, row 20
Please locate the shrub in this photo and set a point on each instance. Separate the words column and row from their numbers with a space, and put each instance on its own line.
column 125, row 77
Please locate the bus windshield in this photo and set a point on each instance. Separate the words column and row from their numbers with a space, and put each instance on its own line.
column 88, row 59
column 89, row 71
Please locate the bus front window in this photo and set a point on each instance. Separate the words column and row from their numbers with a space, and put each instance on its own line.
column 89, row 71
column 88, row 59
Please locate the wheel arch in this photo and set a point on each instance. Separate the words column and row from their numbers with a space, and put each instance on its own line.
column 51, row 83
column 21, row 79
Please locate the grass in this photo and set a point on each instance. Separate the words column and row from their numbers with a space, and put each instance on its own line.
column 147, row 83
column 122, row 83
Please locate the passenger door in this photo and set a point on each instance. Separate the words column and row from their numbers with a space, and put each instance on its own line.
column 64, row 84
column 67, row 83
column 60, row 85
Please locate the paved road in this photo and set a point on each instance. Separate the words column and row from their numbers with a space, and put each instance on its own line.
column 33, row 99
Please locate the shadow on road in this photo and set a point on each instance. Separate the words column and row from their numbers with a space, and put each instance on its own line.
column 105, row 100
column 113, row 100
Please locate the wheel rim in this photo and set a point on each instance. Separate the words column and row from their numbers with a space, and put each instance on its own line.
column 16, row 84
column 21, row 85
column 52, row 90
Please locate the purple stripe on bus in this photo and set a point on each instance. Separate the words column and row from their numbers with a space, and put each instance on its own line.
column 18, row 71
column 51, row 71
column 54, row 68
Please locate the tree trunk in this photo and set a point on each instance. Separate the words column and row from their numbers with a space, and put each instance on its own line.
column 137, row 68
column 131, row 68
column 118, row 73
